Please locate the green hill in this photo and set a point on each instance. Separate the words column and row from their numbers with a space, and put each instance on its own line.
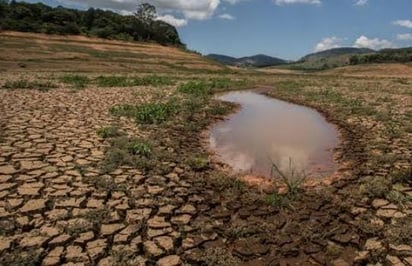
column 249, row 61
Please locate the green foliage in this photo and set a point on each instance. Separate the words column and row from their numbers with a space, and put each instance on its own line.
column 27, row 17
column 199, row 163
column 113, row 81
column 155, row 113
column 123, row 110
column 77, row 81
column 25, row 84
column 140, row 147
column 124, row 81
column 200, row 88
column 376, row 187
column 109, row 132
column 402, row 55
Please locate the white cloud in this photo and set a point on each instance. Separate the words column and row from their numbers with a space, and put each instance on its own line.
column 360, row 2
column 189, row 9
column 328, row 43
column 404, row 37
column 177, row 22
column 285, row 2
column 227, row 16
column 403, row 23
column 375, row 44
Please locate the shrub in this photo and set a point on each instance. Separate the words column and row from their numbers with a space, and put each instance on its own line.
column 376, row 187
column 155, row 113
column 123, row 110
column 109, row 132
column 77, row 81
column 196, row 88
column 140, row 147
column 25, row 84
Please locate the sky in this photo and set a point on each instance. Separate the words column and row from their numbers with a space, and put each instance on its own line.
column 288, row 29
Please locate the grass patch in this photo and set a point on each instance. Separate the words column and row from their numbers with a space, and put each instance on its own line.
column 123, row 110
column 198, row 88
column 124, row 81
column 155, row 113
column 133, row 152
column 376, row 187
column 199, row 163
column 109, row 132
column 76, row 81
column 25, row 84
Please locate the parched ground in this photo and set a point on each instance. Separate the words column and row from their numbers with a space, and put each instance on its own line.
column 70, row 195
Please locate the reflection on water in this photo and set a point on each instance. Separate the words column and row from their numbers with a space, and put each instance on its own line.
column 268, row 129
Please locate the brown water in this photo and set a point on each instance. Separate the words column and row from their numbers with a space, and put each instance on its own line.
column 265, row 129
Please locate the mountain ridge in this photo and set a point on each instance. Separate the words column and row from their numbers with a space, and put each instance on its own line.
column 258, row 60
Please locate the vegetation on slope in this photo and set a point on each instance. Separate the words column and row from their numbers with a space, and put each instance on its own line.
column 40, row 18
column 402, row 55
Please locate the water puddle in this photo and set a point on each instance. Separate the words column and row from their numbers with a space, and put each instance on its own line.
column 295, row 138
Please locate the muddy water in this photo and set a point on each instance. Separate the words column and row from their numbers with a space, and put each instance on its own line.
column 294, row 137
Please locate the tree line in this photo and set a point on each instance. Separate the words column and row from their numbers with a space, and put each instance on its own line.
column 40, row 18
column 402, row 55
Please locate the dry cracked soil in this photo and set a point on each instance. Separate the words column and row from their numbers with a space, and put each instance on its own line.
column 58, row 208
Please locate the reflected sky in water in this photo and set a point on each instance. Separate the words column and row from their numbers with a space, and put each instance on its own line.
column 267, row 129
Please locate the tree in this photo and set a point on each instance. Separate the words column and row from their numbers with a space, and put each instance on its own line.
column 146, row 13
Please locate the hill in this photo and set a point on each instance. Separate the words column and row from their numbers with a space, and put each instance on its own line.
column 327, row 59
column 40, row 18
column 26, row 52
column 249, row 61
column 335, row 52
column 401, row 55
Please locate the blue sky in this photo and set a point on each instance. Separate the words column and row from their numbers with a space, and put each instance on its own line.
column 284, row 28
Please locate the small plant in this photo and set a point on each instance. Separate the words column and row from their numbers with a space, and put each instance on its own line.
column 25, row 84
column 376, row 187
column 109, row 132
column 123, row 110
column 154, row 113
column 113, row 81
column 199, row 163
column 77, row 81
column 140, row 147
column 196, row 88
column 291, row 179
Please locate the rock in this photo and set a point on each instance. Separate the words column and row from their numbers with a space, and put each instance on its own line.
column 96, row 248
column 57, row 214
column 187, row 209
column 394, row 261
column 84, row 237
column 31, row 165
column 164, row 242
column 76, row 254
column 95, row 203
column 362, row 256
column 373, row 244
column 53, row 258
column 389, row 213
column 158, row 222
column 172, row 260
column 110, row 229
column 166, row 210
column 401, row 250
column 33, row 241
column 7, row 186
column 123, row 236
column 138, row 215
column 30, row 189
column 4, row 244
column 60, row 240
column 50, row 231
column 181, row 219
column 71, row 203
column 7, row 170
column 34, row 205
column 151, row 249
column 340, row 262
column 249, row 248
